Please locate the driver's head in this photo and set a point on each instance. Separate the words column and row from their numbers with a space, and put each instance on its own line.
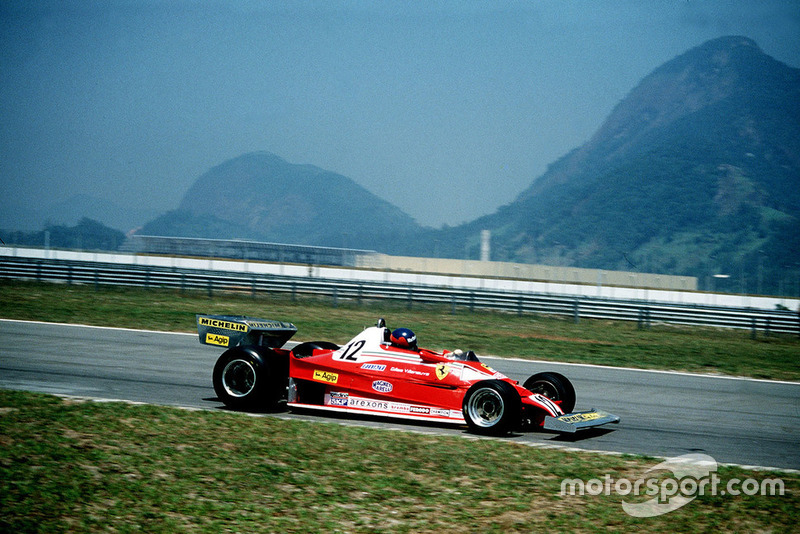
column 404, row 338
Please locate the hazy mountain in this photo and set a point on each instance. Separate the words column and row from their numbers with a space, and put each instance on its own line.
column 696, row 171
column 87, row 234
column 110, row 213
column 72, row 210
column 261, row 196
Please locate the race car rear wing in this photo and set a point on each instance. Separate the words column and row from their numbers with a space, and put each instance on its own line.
column 233, row 330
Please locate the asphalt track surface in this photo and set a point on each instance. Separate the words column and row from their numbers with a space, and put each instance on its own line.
column 734, row 420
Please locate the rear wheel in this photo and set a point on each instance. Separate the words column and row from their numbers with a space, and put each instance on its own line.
column 492, row 407
column 554, row 386
column 246, row 379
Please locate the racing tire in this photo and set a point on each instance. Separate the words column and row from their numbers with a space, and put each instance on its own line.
column 246, row 378
column 554, row 386
column 492, row 407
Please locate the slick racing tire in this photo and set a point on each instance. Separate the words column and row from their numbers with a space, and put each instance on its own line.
column 554, row 386
column 246, row 378
column 492, row 407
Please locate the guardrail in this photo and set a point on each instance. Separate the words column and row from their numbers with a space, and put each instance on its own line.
column 644, row 312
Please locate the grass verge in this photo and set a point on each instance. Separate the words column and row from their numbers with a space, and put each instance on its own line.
column 616, row 343
column 72, row 466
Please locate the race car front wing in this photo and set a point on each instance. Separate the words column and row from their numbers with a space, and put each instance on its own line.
column 572, row 422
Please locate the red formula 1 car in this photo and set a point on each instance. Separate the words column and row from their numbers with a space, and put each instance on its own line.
column 383, row 373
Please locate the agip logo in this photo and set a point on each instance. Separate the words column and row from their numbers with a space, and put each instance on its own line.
column 325, row 376
column 217, row 339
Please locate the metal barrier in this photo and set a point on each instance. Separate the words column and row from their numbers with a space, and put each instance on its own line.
column 644, row 313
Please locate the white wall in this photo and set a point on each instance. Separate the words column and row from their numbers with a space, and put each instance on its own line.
column 437, row 280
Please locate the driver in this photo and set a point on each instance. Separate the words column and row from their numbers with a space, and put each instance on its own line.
column 461, row 355
column 404, row 338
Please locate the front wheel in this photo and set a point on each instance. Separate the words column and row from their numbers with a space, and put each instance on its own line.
column 554, row 386
column 245, row 380
column 492, row 407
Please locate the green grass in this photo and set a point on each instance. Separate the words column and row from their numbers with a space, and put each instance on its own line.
column 72, row 466
column 616, row 343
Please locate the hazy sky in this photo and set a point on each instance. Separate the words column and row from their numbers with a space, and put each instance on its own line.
column 446, row 109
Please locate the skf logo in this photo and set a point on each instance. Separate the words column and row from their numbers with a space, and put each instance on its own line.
column 324, row 376
column 442, row 371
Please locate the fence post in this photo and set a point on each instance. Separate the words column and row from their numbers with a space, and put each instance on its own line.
column 453, row 305
column 644, row 319
column 576, row 315
column 753, row 332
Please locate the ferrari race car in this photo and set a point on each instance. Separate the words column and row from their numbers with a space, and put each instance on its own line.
column 383, row 373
